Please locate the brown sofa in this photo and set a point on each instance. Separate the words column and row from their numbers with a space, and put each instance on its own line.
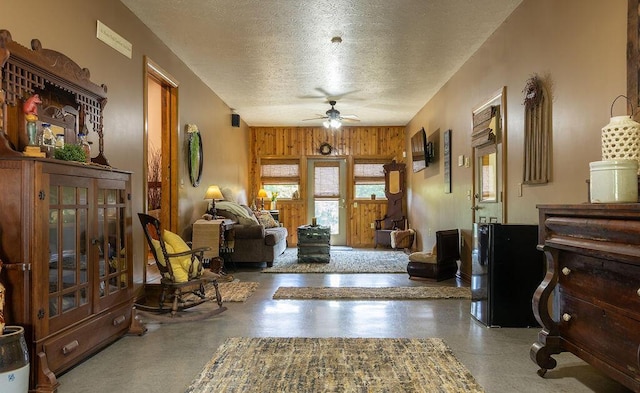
column 254, row 241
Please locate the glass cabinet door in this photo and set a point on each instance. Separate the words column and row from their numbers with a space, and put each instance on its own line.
column 69, row 270
column 114, row 275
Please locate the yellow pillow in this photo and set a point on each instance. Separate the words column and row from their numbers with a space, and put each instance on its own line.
column 178, row 245
column 179, row 274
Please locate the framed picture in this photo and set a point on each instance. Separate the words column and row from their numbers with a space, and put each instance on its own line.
column 447, row 161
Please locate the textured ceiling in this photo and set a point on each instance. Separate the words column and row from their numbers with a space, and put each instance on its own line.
column 274, row 62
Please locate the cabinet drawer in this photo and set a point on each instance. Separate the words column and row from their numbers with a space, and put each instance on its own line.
column 601, row 281
column 68, row 348
column 605, row 334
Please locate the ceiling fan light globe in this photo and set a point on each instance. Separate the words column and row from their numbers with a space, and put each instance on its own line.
column 334, row 123
column 326, row 124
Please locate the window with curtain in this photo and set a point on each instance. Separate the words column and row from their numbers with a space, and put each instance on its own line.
column 326, row 181
column 281, row 176
column 368, row 176
column 326, row 194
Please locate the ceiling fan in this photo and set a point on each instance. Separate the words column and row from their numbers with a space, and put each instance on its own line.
column 333, row 119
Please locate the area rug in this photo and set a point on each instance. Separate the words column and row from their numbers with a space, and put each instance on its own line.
column 353, row 261
column 332, row 293
column 236, row 291
column 334, row 365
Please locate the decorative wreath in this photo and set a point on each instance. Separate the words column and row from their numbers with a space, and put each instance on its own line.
column 325, row 149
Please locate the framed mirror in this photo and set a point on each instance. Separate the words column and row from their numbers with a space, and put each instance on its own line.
column 394, row 174
column 195, row 155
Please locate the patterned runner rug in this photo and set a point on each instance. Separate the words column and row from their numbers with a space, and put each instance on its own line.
column 344, row 261
column 334, row 365
column 372, row 293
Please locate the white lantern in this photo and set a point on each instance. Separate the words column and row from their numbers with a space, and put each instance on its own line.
column 621, row 139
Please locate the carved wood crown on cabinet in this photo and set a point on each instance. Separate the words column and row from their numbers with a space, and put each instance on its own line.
column 593, row 256
column 59, row 81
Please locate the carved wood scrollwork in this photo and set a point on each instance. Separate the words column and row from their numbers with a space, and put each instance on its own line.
column 57, row 78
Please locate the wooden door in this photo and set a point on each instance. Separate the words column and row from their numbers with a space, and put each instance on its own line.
column 489, row 142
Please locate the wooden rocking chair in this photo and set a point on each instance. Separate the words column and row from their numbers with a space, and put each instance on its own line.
column 177, row 295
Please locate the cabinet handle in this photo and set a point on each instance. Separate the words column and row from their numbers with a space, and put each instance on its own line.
column 72, row 346
column 566, row 317
column 638, row 292
column 119, row 320
column 566, row 271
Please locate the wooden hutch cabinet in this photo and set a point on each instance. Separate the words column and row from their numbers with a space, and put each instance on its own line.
column 65, row 238
column 65, row 229
column 593, row 256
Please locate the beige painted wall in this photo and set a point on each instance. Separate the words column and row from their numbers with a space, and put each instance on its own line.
column 69, row 26
column 579, row 47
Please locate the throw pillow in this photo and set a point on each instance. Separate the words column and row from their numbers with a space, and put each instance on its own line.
column 266, row 219
column 228, row 194
column 182, row 266
column 175, row 265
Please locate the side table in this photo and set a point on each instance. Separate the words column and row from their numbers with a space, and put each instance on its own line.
column 313, row 244
column 217, row 234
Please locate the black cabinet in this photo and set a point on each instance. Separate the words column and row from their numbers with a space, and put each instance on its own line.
column 507, row 268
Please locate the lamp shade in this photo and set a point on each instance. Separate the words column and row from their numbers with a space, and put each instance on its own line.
column 262, row 193
column 213, row 192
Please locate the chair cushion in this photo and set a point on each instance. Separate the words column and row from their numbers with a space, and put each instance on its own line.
column 423, row 257
column 266, row 219
column 181, row 266
column 273, row 236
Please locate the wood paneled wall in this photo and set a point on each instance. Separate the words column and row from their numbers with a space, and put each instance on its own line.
column 349, row 143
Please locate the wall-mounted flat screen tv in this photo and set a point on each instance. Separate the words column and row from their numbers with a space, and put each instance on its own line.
column 418, row 150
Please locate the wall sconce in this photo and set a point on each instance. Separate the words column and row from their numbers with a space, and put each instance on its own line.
column 213, row 193
column 262, row 194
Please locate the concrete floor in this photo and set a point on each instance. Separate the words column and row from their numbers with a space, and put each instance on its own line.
column 169, row 356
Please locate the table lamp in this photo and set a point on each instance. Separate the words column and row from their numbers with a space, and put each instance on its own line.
column 262, row 194
column 213, row 193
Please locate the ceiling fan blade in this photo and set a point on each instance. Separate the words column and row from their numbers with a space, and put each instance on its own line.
column 350, row 118
column 328, row 96
column 315, row 118
column 341, row 96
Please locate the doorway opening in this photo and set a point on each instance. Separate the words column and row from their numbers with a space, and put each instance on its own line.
column 160, row 148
